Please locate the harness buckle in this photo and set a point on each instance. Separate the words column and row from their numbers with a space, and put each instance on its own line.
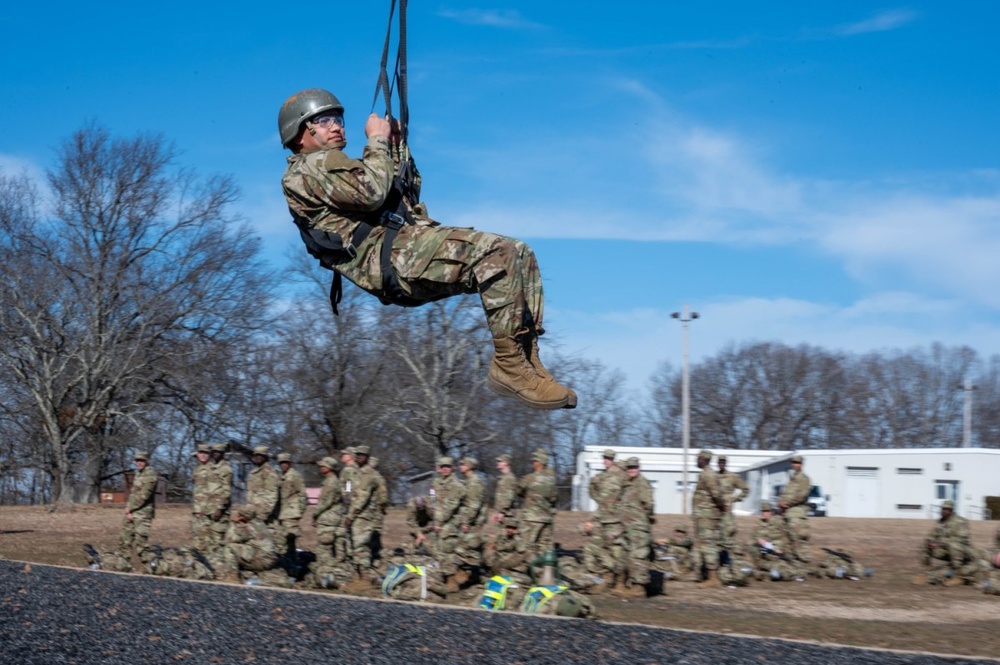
column 393, row 220
column 351, row 250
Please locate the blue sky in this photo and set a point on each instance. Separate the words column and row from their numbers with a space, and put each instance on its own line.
column 811, row 174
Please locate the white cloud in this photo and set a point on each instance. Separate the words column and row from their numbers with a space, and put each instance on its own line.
column 494, row 18
column 880, row 22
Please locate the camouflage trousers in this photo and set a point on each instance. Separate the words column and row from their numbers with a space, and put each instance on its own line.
column 606, row 549
column 179, row 562
column 674, row 562
column 469, row 550
column 444, row 550
column 202, row 534
column 244, row 556
column 835, row 567
column 135, row 532
column 707, row 539
column 727, row 532
column 537, row 536
column 364, row 538
column 437, row 261
column 637, row 549
column 332, row 550
column 956, row 560
column 798, row 537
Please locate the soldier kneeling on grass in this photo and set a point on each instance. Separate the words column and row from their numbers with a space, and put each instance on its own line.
column 250, row 553
column 841, row 565
column 948, row 553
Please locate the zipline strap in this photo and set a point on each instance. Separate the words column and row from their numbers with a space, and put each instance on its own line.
column 399, row 79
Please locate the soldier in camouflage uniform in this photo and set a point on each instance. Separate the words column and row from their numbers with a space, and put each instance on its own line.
column 506, row 557
column 505, row 494
column 734, row 490
column 538, row 493
column 606, row 490
column 674, row 556
column 382, row 503
column 707, row 507
column 420, row 521
column 637, row 516
column 472, row 516
column 202, row 506
column 362, row 517
column 331, row 569
column 249, row 546
column 139, row 511
column 840, row 565
column 991, row 578
column 291, row 503
column 329, row 192
column 794, row 508
column 449, row 497
column 183, row 562
column 222, row 496
column 264, row 488
column 769, row 548
column 948, row 552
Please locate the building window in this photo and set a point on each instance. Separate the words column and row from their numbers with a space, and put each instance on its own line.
column 908, row 506
column 909, row 472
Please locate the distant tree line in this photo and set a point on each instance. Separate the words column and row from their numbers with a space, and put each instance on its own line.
column 136, row 312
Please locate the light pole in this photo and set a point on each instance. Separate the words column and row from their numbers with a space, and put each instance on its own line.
column 685, row 316
column 967, row 413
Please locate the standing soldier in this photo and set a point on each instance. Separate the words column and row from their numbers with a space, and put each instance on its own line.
column 734, row 490
column 222, row 496
column 707, row 507
column 606, row 490
column 202, row 506
column 449, row 494
column 636, row 506
column 139, row 512
column 382, row 503
column 263, row 487
column 361, row 513
column 538, row 494
column 794, row 506
column 472, row 515
column 505, row 495
column 292, row 502
column 328, row 518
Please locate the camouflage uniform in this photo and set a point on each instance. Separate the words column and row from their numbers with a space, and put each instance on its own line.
column 538, row 494
column 412, row 577
column 507, row 557
column 674, row 556
column 449, row 497
column 221, row 492
column 636, row 506
column 328, row 518
column 420, row 521
column 263, row 490
column 707, row 504
column 141, row 505
column 734, row 490
column 363, row 517
column 292, row 505
column 796, row 495
column 472, row 517
column 335, row 193
column 839, row 567
column 778, row 564
column 202, row 505
column 249, row 545
column 949, row 553
column 505, row 493
column 180, row 562
column 606, row 490
column 382, row 503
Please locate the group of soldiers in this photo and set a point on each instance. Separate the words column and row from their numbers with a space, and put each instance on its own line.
column 951, row 558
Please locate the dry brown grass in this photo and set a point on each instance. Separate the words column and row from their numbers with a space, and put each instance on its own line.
column 885, row 611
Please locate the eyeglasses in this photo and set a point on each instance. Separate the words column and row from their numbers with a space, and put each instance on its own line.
column 325, row 120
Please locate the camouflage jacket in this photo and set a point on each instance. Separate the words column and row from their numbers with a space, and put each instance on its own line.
column 606, row 490
column 255, row 534
column 202, row 499
column 263, row 485
column 141, row 498
column 729, row 482
column 636, row 505
column 419, row 520
column 507, row 554
column 708, row 500
column 952, row 531
column 382, row 501
column 293, row 496
column 348, row 480
column 505, row 496
column 449, row 495
column 538, row 494
column 329, row 509
column 364, row 499
column 771, row 531
column 796, row 494
column 222, row 486
column 473, row 511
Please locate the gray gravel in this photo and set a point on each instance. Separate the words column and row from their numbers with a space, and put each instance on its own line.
column 55, row 615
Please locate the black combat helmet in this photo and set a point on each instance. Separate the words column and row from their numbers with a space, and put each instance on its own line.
column 300, row 107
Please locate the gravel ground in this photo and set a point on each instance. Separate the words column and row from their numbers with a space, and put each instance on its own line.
column 51, row 616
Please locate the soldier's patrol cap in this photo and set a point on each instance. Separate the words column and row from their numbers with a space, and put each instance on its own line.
column 203, row 448
column 141, row 455
column 948, row 504
column 504, row 458
column 445, row 461
column 608, row 454
column 347, row 451
column 219, row 447
column 705, row 454
column 470, row 462
column 765, row 505
column 796, row 458
column 540, row 456
column 721, row 458
column 261, row 450
column 247, row 511
column 362, row 450
column 284, row 457
column 631, row 462
column 328, row 462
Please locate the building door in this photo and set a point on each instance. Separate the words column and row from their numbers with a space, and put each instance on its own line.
column 861, row 490
column 944, row 490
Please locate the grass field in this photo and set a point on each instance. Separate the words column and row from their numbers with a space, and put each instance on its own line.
column 885, row 611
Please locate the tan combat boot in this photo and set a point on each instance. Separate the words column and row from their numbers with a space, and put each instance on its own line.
column 512, row 375
column 920, row 579
column 530, row 343
column 711, row 581
column 954, row 581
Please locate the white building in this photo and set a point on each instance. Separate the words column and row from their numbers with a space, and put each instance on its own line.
column 897, row 482
column 664, row 467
